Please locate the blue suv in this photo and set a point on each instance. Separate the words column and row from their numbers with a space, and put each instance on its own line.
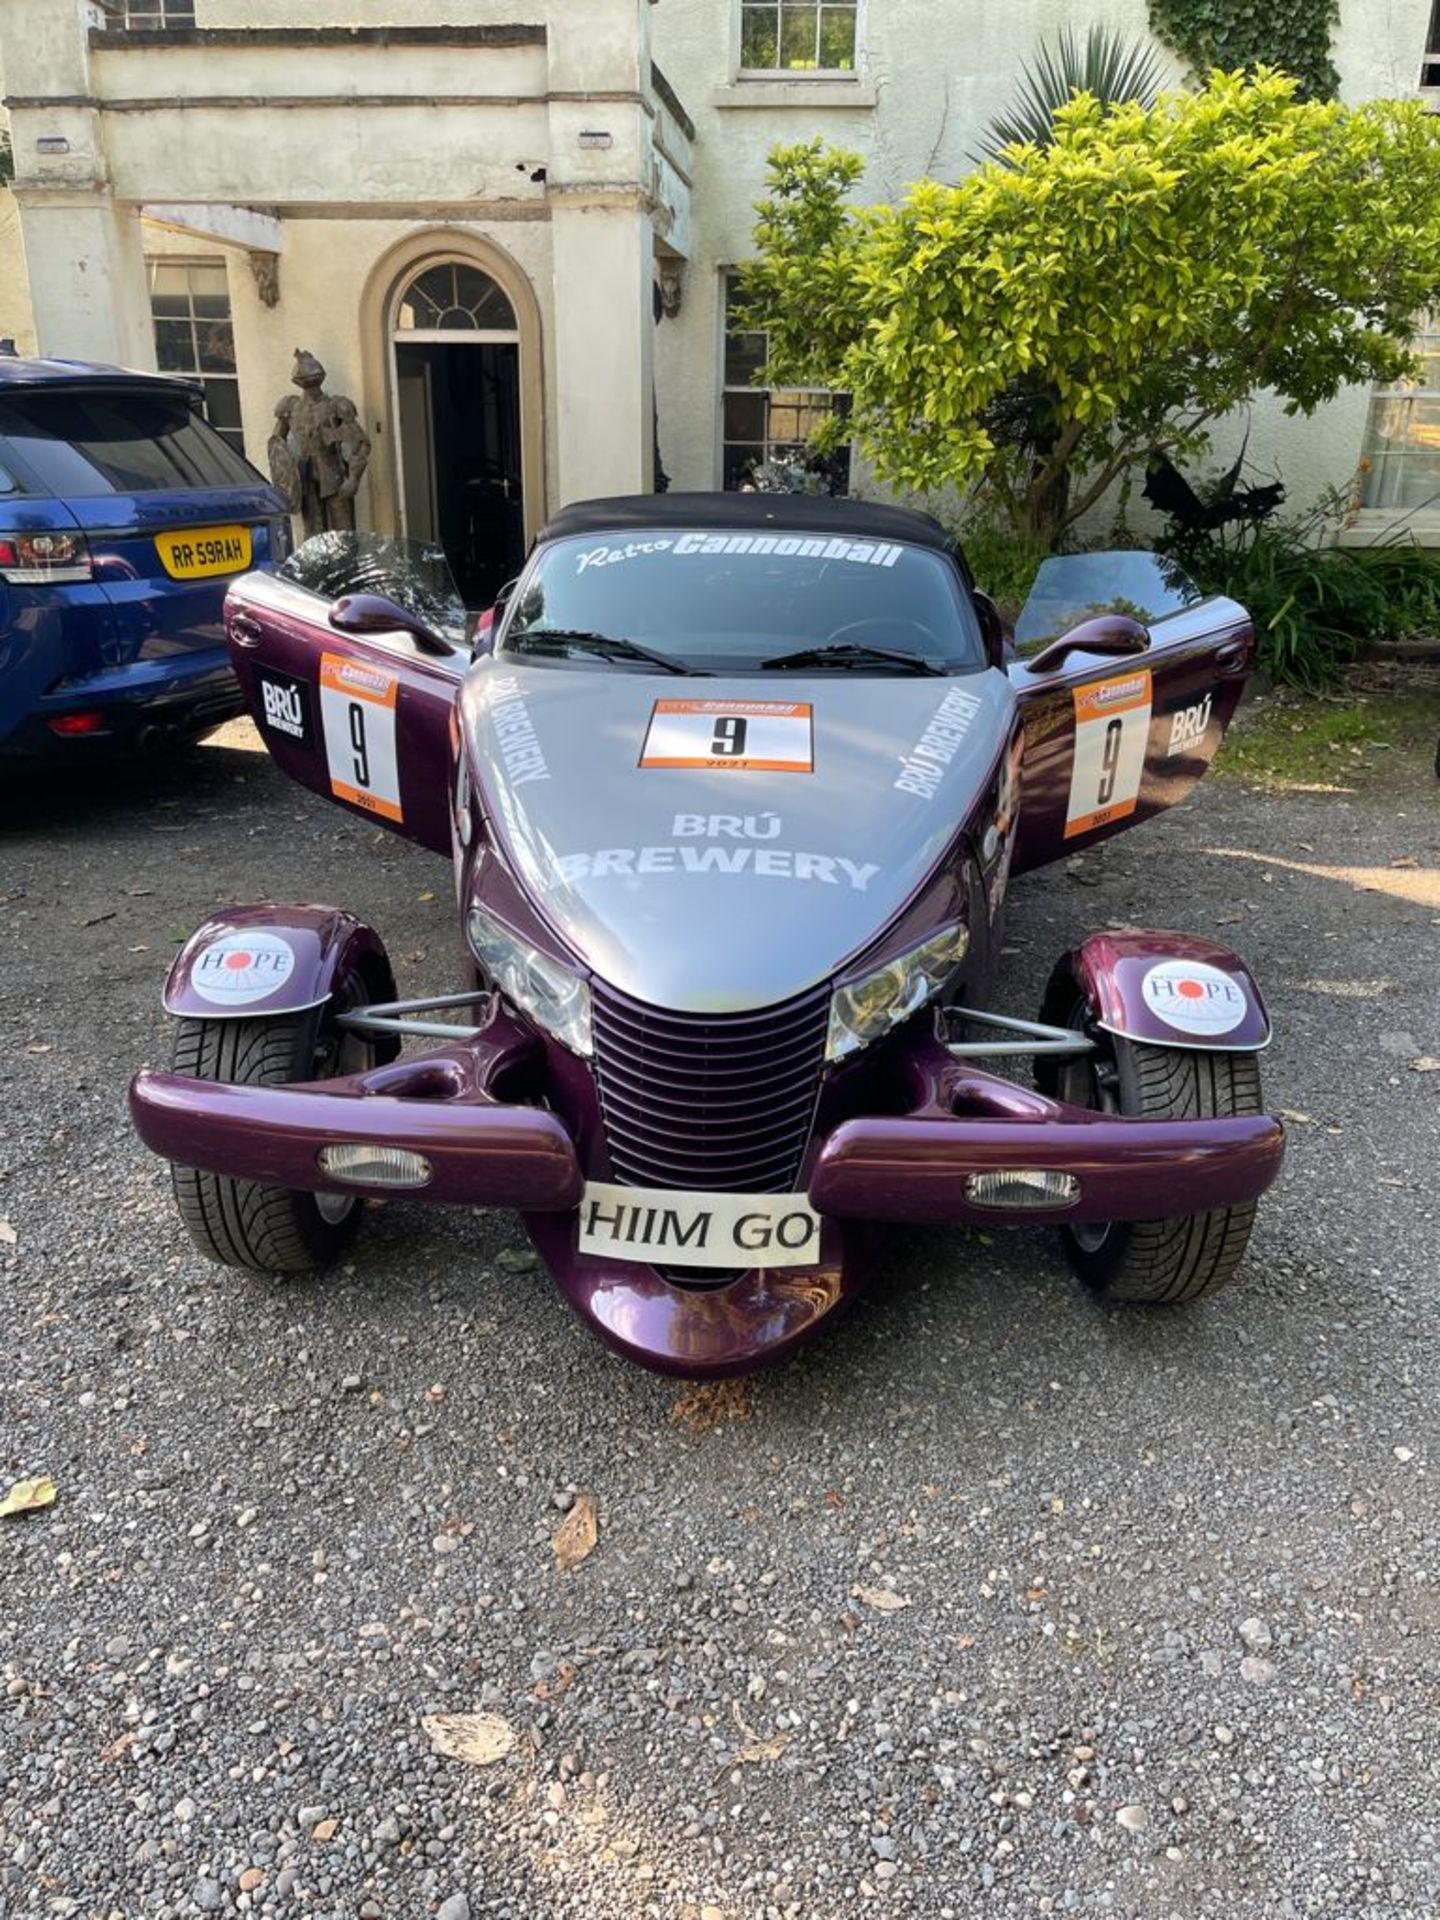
column 123, row 518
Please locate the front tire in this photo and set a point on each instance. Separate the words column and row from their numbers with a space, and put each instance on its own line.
column 1159, row 1262
column 244, row 1223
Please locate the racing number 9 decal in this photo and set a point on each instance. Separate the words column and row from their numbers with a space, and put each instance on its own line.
column 357, row 742
column 1110, row 758
column 746, row 736
column 357, row 708
column 1112, row 728
column 729, row 741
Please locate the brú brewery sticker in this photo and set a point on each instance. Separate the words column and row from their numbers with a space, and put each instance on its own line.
column 284, row 705
column 1194, row 998
column 242, row 968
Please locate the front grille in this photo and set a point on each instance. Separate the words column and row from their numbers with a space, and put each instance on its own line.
column 720, row 1103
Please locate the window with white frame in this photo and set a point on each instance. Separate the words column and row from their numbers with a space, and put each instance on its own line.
column 1401, row 467
column 154, row 16
column 799, row 36
column 1430, row 67
column 769, row 426
column 194, row 335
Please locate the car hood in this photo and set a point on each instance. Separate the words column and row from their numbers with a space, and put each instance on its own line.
column 712, row 888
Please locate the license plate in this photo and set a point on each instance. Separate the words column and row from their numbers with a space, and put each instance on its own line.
column 204, row 553
column 676, row 1229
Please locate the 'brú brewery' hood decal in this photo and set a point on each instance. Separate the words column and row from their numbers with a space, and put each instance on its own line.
column 715, row 844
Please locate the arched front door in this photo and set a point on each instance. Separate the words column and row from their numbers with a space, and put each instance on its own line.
column 456, row 380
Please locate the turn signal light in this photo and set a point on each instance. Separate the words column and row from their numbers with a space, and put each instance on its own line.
column 370, row 1166
column 1021, row 1187
column 43, row 559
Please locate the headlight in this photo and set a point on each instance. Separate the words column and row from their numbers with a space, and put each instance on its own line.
column 865, row 1009
column 554, row 998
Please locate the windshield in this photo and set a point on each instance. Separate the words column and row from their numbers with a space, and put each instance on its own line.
column 728, row 602
column 83, row 445
column 413, row 573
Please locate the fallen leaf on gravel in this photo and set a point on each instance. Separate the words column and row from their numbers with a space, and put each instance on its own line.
column 8, row 1235
column 39, row 1049
column 325, row 1830
column 710, row 1404
column 480, row 1739
column 882, row 1599
column 964, row 1641
column 756, row 1752
column 574, row 1539
column 1296, row 1119
column 425, row 896
column 28, row 1496
column 1427, row 1063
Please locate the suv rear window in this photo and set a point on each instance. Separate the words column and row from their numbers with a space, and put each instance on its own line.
column 80, row 445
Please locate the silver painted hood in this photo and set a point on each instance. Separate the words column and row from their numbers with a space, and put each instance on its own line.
column 716, row 888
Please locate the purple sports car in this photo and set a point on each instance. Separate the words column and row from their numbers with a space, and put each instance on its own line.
column 729, row 947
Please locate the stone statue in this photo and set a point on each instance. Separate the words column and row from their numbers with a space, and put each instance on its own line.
column 318, row 451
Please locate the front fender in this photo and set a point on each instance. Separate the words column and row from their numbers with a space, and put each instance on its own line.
column 256, row 961
column 1164, row 989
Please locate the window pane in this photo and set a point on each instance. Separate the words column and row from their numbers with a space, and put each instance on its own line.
column 1403, row 452
column 744, row 358
column 837, row 37
column 169, row 279
column 760, row 36
column 797, row 416
column 458, row 298
column 799, row 33
column 739, row 467
column 222, row 403
column 174, row 346
column 216, row 343
column 745, row 416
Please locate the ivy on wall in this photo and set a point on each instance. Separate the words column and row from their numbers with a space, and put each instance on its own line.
column 1293, row 35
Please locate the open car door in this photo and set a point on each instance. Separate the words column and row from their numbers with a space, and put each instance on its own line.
column 351, row 655
column 1127, row 678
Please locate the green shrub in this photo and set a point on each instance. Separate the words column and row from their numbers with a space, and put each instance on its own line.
column 1004, row 564
column 1409, row 578
column 1314, row 607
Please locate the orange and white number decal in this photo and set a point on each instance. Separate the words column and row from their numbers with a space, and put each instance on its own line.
column 1112, row 727
column 357, row 707
column 756, row 736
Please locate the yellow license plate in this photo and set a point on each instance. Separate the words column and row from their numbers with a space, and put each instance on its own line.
column 204, row 553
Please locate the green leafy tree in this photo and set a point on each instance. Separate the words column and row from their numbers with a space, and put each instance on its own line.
column 1043, row 326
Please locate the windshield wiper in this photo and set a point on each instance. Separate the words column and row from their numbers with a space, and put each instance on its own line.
column 850, row 653
column 610, row 645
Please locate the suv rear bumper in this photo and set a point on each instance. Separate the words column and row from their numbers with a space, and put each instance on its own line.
column 149, row 703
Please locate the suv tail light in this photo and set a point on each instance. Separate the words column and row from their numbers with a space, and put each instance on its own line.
column 44, row 559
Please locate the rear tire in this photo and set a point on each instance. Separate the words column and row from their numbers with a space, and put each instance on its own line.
column 244, row 1223
column 1159, row 1262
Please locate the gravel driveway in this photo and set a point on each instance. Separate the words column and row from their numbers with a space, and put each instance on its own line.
column 989, row 1603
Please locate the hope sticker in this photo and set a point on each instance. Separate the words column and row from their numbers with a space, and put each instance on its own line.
column 1194, row 998
column 242, row 968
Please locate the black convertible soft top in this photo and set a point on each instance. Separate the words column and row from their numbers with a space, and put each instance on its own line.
column 796, row 512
